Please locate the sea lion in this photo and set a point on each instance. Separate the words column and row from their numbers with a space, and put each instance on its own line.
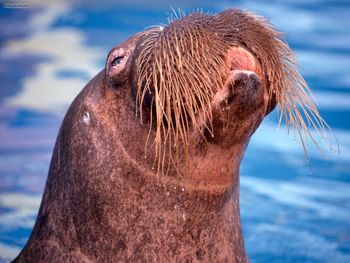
column 146, row 163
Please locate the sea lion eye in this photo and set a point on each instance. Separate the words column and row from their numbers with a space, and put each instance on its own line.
column 116, row 61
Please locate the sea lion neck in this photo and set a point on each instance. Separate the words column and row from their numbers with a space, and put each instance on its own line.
column 143, row 216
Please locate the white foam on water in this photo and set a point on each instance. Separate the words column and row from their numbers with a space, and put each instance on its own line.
column 322, row 63
column 267, row 137
column 23, row 210
column 65, row 49
column 332, row 101
column 279, row 241
column 322, row 198
column 8, row 252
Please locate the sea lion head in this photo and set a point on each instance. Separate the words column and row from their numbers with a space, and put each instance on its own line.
column 146, row 163
column 202, row 85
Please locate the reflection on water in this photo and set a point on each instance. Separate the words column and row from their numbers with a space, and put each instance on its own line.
column 292, row 211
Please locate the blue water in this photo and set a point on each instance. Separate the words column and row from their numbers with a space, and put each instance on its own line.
column 294, row 208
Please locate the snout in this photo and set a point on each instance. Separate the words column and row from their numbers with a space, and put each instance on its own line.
column 239, row 108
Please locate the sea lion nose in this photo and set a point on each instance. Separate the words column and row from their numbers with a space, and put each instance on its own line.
column 238, row 108
column 246, row 89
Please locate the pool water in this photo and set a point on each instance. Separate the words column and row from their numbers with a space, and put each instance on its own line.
column 294, row 208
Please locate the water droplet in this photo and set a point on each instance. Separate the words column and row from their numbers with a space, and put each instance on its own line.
column 175, row 187
column 86, row 117
column 182, row 189
column 167, row 193
column 175, row 206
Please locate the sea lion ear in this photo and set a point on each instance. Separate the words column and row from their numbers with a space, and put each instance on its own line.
column 117, row 66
